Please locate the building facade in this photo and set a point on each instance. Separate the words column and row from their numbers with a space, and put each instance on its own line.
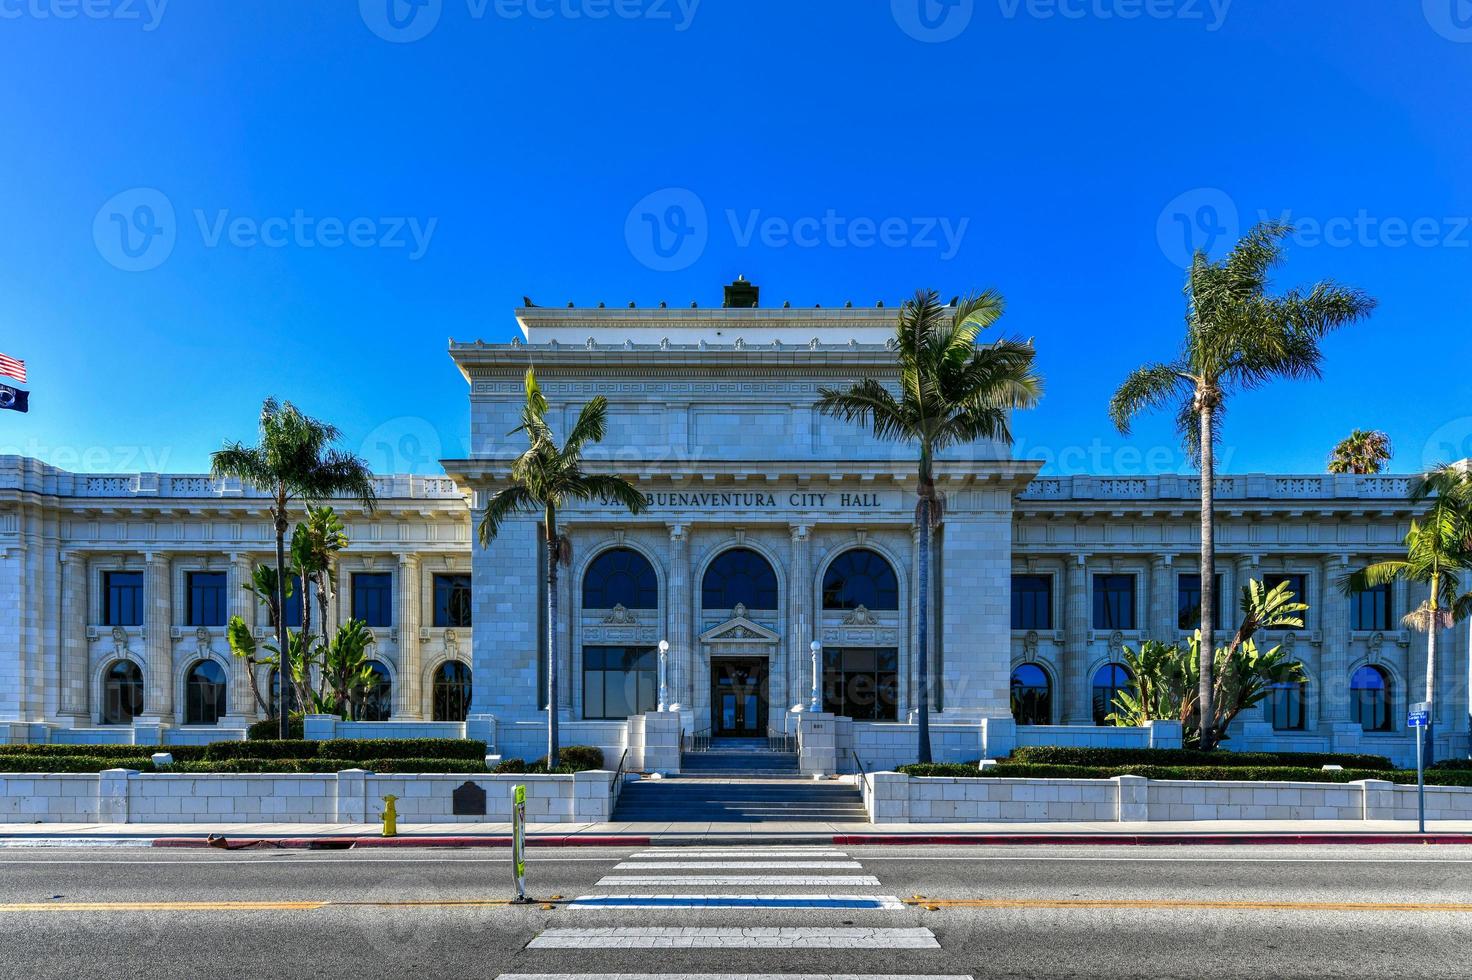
column 768, row 528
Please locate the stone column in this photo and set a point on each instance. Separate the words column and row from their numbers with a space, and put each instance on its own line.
column 1078, row 708
column 1164, row 619
column 74, row 635
column 1333, row 623
column 243, row 604
column 158, row 618
column 408, row 703
column 678, row 619
column 803, row 624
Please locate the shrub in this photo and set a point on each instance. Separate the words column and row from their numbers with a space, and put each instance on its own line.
column 71, row 763
column 239, row 766
column 270, row 729
column 404, row 748
column 180, row 753
column 1450, row 764
column 511, row 765
column 1068, row 755
column 1287, row 774
column 426, row 765
column 264, row 749
column 581, row 758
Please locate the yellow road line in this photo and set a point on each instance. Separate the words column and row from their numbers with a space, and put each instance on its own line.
column 1104, row 903
column 300, row 906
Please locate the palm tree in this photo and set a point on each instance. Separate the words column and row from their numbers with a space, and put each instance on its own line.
column 1438, row 554
column 951, row 392
column 1237, row 338
column 294, row 460
column 544, row 479
column 1361, row 452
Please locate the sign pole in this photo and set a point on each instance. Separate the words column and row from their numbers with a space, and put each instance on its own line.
column 1420, row 722
column 518, row 841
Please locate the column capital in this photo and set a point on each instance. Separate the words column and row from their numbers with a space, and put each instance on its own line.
column 1162, row 561
column 407, row 558
column 73, row 557
column 679, row 533
column 800, row 532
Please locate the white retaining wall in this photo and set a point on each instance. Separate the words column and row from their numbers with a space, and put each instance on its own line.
column 353, row 796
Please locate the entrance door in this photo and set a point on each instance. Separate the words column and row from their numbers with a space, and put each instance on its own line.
column 738, row 700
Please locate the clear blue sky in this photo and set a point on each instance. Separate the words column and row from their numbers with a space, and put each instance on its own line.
column 1067, row 145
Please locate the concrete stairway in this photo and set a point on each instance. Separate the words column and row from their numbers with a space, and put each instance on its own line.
column 705, row 799
column 739, row 758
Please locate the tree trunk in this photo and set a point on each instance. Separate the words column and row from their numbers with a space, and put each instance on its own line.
column 283, row 666
column 922, row 672
column 1207, row 711
column 1434, row 628
column 552, row 560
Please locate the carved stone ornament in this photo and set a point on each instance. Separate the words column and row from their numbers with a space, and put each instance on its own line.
column 119, row 642
column 1116, row 640
column 1290, row 641
column 1030, row 643
column 452, row 644
column 202, row 641
column 619, row 616
column 740, row 611
column 1376, row 642
column 860, row 616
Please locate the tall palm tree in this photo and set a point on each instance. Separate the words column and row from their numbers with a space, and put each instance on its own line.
column 1438, row 554
column 951, row 392
column 1362, row 452
column 1238, row 337
column 544, row 479
column 294, row 461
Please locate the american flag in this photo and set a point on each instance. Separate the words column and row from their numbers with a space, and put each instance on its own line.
column 12, row 368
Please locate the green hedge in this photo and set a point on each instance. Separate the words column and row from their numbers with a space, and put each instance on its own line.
column 270, row 729
column 1288, row 774
column 264, row 749
column 574, row 758
column 404, row 748
column 179, row 752
column 1067, row 755
column 1451, row 764
column 327, row 766
column 71, row 763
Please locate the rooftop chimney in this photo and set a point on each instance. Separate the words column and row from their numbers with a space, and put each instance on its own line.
column 742, row 295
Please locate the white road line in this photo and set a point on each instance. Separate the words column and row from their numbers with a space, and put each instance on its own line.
column 851, row 903
column 729, row 976
column 754, row 937
column 734, row 865
column 836, row 880
column 668, row 853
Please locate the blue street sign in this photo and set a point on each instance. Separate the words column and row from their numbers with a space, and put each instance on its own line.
column 1420, row 715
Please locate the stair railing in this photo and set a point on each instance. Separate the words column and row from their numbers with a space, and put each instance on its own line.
column 781, row 741
column 857, row 764
column 618, row 780
column 698, row 742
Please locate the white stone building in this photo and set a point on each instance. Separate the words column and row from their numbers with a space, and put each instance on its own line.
column 769, row 526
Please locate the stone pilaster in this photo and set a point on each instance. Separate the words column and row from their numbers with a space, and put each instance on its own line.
column 408, row 704
column 158, row 618
column 803, row 626
column 1333, row 622
column 1078, row 706
column 678, row 610
column 74, row 634
column 1164, row 619
column 243, row 604
column 975, row 599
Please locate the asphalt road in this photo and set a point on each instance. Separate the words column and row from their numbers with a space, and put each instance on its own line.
column 962, row 911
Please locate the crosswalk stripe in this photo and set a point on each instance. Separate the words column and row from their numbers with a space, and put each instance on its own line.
column 681, row 854
column 857, row 903
column 732, row 865
column 735, row 937
column 730, row 976
column 835, row 880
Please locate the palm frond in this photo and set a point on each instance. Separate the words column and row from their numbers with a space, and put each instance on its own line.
column 504, row 503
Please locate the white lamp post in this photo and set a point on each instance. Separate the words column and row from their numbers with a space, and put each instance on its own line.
column 664, row 669
column 815, row 703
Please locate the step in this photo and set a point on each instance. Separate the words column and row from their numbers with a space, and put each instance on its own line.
column 715, row 799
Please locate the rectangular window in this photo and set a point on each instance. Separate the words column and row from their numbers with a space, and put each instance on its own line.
column 122, row 598
column 619, row 681
column 1299, row 586
column 294, row 604
column 1188, row 603
column 1114, row 602
column 452, row 600
column 373, row 598
column 1371, row 609
column 1032, row 602
column 206, row 601
column 1285, row 707
column 862, row 683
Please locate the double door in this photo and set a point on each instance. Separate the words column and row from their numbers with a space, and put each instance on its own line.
column 738, row 700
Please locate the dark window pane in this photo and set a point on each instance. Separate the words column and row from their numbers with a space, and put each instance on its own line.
column 1032, row 695
column 206, row 599
column 376, row 699
column 862, row 683
column 294, row 603
column 1114, row 602
column 1371, row 609
column 122, row 598
column 1298, row 584
column 204, row 694
column 373, row 598
column 860, row 577
column 1285, row 706
column 1109, row 680
column 122, row 693
column 739, row 576
column 619, row 681
column 620, row 577
column 452, row 691
column 1188, row 602
column 1032, row 602
column 1370, row 702
column 452, row 600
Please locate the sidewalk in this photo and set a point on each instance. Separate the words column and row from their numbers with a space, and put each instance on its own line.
column 775, row 832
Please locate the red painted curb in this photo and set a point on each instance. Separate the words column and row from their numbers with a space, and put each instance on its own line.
column 330, row 843
column 856, row 840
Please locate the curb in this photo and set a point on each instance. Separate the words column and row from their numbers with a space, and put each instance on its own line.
column 353, row 843
column 858, row 840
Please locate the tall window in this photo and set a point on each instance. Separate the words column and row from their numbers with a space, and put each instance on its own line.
column 1188, row 602
column 294, row 603
column 206, row 604
column 619, row 681
column 122, row 594
column 1032, row 602
column 452, row 691
column 1285, row 706
column 1369, row 699
column 275, row 695
column 373, row 598
column 1298, row 584
column 739, row 577
column 122, row 693
column 1371, row 609
column 378, row 698
column 1114, row 602
column 204, row 694
column 452, row 600
column 1032, row 695
column 862, row 682
column 1109, row 680
column 860, row 577
column 620, row 577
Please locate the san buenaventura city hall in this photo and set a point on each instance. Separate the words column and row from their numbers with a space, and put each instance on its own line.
column 769, row 527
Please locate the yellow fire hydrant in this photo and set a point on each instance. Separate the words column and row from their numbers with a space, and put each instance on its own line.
column 390, row 817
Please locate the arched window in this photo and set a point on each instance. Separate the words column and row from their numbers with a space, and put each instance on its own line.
column 739, row 577
column 1109, row 680
column 275, row 695
column 377, row 701
column 1285, row 706
column 204, row 694
column 122, row 693
column 1032, row 695
column 1369, row 699
column 620, row 577
column 452, row 691
column 860, row 577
